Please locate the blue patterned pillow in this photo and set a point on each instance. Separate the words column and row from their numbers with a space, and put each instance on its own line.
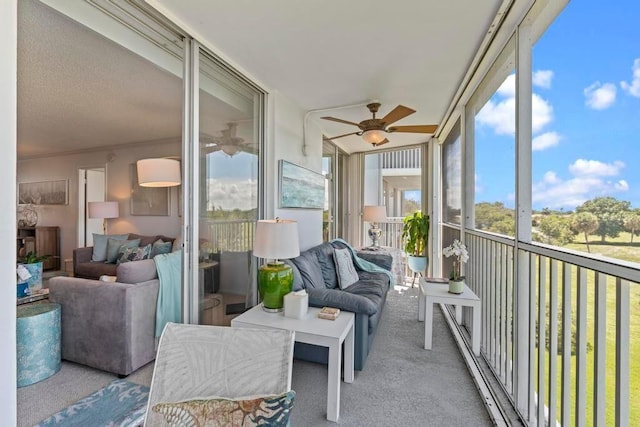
column 114, row 247
column 347, row 274
column 247, row 411
column 128, row 254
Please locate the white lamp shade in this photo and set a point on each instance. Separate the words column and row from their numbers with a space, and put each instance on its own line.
column 374, row 136
column 374, row 213
column 276, row 239
column 104, row 210
column 158, row 172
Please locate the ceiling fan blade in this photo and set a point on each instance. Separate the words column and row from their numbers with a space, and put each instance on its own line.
column 384, row 141
column 400, row 112
column 340, row 121
column 414, row 129
column 340, row 136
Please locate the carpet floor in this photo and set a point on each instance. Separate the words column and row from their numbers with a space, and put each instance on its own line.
column 401, row 385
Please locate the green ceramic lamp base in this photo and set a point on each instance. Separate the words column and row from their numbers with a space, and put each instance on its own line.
column 275, row 280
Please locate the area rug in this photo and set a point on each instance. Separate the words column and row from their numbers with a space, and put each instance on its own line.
column 120, row 403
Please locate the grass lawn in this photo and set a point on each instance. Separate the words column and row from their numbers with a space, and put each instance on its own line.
column 619, row 248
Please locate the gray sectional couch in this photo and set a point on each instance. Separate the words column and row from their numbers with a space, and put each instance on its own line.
column 315, row 271
column 109, row 325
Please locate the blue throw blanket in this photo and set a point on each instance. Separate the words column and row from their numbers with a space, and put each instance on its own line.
column 169, row 307
column 365, row 265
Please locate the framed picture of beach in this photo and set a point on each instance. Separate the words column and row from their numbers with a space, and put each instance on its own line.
column 300, row 187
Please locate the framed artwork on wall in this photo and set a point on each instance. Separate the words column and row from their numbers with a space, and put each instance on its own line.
column 300, row 187
column 148, row 201
column 43, row 193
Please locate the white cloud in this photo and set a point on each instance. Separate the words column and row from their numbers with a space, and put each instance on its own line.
column 586, row 183
column 633, row 88
column 542, row 78
column 545, row 140
column 600, row 96
column 232, row 193
column 500, row 115
column 582, row 167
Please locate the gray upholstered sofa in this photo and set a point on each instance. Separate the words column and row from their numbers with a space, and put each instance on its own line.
column 109, row 325
column 315, row 271
column 84, row 267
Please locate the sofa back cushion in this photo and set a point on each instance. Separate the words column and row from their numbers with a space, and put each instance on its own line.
column 115, row 247
column 298, row 283
column 324, row 253
column 136, row 271
column 310, row 270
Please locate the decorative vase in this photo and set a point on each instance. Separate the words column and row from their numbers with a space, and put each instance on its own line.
column 417, row 264
column 456, row 286
column 23, row 289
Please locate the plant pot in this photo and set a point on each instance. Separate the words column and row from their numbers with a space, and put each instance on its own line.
column 35, row 281
column 456, row 286
column 417, row 264
column 23, row 289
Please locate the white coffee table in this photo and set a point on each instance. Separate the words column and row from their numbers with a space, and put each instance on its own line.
column 312, row 330
column 431, row 293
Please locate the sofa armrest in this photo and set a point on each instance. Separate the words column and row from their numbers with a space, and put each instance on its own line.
column 342, row 300
column 106, row 325
column 81, row 255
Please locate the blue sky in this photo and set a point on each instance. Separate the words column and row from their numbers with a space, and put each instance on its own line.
column 586, row 112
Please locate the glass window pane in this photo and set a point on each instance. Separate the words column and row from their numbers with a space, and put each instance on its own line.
column 452, row 177
column 229, row 177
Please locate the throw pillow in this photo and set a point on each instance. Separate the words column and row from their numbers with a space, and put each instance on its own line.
column 347, row 274
column 242, row 412
column 100, row 245
column 114, row 247
column 160, row 247
column 127, row 254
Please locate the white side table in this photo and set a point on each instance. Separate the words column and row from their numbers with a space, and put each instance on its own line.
column 313, row 330
column 431, row 293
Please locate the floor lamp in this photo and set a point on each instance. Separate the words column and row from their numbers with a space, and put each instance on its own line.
column 104, row 210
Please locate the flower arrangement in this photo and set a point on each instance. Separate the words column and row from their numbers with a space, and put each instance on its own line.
column 459, row 250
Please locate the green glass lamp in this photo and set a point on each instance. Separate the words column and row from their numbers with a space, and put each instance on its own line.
column 274, row 240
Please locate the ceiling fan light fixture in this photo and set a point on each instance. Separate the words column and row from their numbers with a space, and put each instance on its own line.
column 374, row 136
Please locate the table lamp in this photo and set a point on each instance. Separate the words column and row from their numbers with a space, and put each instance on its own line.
column 274, row 240
column 373, row 215
column 103, row 210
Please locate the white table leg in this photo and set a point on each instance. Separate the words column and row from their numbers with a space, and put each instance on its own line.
column 475, row 334
column 348, row 357
column 333, row 383
column 458, row 308
column 421, row 302
column 428, row 323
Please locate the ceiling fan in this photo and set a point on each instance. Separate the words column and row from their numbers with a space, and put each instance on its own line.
column 373, row 130
column 228, row 142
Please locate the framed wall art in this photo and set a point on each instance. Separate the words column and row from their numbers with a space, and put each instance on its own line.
column 43, row 193
column 300, row 187
column 148, row 201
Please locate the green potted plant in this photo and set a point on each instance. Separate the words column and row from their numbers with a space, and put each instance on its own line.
column 415, row 233
column 33, row 263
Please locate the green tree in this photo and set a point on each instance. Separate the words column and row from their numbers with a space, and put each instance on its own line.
column 632, row 222
column 495, row 217
column 586, row 223
column 610, row 213
column 556, row 229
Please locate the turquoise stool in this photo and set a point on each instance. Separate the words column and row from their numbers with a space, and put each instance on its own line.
column 38, row 342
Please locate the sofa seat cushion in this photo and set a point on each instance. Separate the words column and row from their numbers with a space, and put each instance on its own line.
column 321, row 297
column 94, row 269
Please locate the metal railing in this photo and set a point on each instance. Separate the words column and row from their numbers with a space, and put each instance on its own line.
column 401, row 159
column 231, row 236
column 574, row 357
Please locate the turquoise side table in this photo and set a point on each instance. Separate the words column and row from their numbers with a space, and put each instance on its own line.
column 38, row 342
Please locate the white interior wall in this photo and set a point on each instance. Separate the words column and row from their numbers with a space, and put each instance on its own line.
column 287, row 145
column 8, row 124
column 117, row 163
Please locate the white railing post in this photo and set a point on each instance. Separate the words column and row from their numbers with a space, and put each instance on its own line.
column 581, row 350
column 622, row 353
column 600, row 348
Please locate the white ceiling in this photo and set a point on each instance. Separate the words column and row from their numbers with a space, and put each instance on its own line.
column 78, row 90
